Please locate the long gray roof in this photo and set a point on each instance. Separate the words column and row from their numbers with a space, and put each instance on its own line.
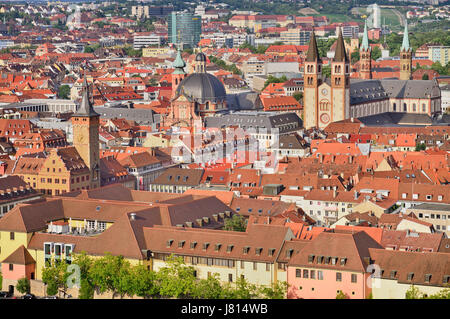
column 397, row 119
column 142, row 116
column 362, row 91
column 285, row 122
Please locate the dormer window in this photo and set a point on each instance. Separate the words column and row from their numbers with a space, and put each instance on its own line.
column 271, row 251
column 229, row 248
column 169, row 243
column 258, row 251
column 246, row 249
column 181, row 243
column 205, row 246
column 429, row 197
column 193, row 244
column 393, row 274
column 217, row 247
column 311, row 259
column 343, row 261
column 410, row 276
column 427, row 277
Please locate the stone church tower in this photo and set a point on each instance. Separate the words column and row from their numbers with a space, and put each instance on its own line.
column 340, row 82
column 405, row 57
column 326, row 100
column 365, row 57
column 312, row 79
column 85, row 123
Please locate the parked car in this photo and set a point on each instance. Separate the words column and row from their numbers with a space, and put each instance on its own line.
column 28, row 296
column 5, row 294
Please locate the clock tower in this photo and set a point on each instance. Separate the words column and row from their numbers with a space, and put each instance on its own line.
column 85, row 124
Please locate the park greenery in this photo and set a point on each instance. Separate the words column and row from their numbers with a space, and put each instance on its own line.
column 415, row 293
column 116, row 275
column 274, row 79
column 221, row 64
column 64, row 92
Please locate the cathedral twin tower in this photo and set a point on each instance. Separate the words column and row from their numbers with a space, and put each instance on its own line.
column 327, row 100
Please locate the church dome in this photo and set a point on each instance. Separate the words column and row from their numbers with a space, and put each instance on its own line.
column 202, row 88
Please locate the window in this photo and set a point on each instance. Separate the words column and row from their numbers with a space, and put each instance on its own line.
column 313, row 274
column 230, row 277
column 11, row 235
column 354, row 278
column 320, row 274
column 255, row 265
column 11, row 267
column 410, row 276
column 298, row 273
column 305, row 273
column 242, row 264
column 267, row 266
column 338, row 276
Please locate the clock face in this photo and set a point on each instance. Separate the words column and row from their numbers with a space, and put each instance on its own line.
column 325, row 118
column 324, row 91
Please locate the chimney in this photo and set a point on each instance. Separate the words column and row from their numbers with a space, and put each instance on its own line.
column 132, row 216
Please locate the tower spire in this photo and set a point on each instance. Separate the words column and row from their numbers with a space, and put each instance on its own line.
column 313, row 52
column 339, row 54
column 405, row 43
column 365, row 41
column 86, row 108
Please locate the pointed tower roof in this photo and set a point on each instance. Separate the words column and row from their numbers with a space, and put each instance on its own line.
column 405, row 43
column 365, row 41
column 179, row 64
column 313, row 52
column 86, row 108
column 340, row 55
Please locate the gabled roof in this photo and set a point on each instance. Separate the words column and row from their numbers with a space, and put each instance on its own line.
column 352, row 248
column 20, row 256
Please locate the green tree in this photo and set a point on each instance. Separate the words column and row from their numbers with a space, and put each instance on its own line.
column 23, row 285
column 111, row 273
column 235, row 223
column 376, row 53
column 64, row 92
column 341, row 295
column 176, row 279
column 91, row 48
column 413, row 293
column 326, row 71
column 209, row 288
column 443, row 294
column 275, row 291
column 244, row 290
column 425, row 76
column 354, row 57
column 274, row 79
column 144, row 283
column 298, row 96
column 420, row 147
column 85, row 263
column 54, row 275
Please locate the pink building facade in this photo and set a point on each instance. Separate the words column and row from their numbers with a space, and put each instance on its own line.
column 319, row 283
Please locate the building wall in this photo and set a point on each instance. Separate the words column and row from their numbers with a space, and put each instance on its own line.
column 8, row 246
column 391, row 289
column 260, row 276
column 327, row 288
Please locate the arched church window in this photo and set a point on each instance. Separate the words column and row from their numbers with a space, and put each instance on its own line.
column 394, row 106
column 405, row 107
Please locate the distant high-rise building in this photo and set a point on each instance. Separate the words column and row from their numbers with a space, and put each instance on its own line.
column 375, row 16
column 184, row 29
